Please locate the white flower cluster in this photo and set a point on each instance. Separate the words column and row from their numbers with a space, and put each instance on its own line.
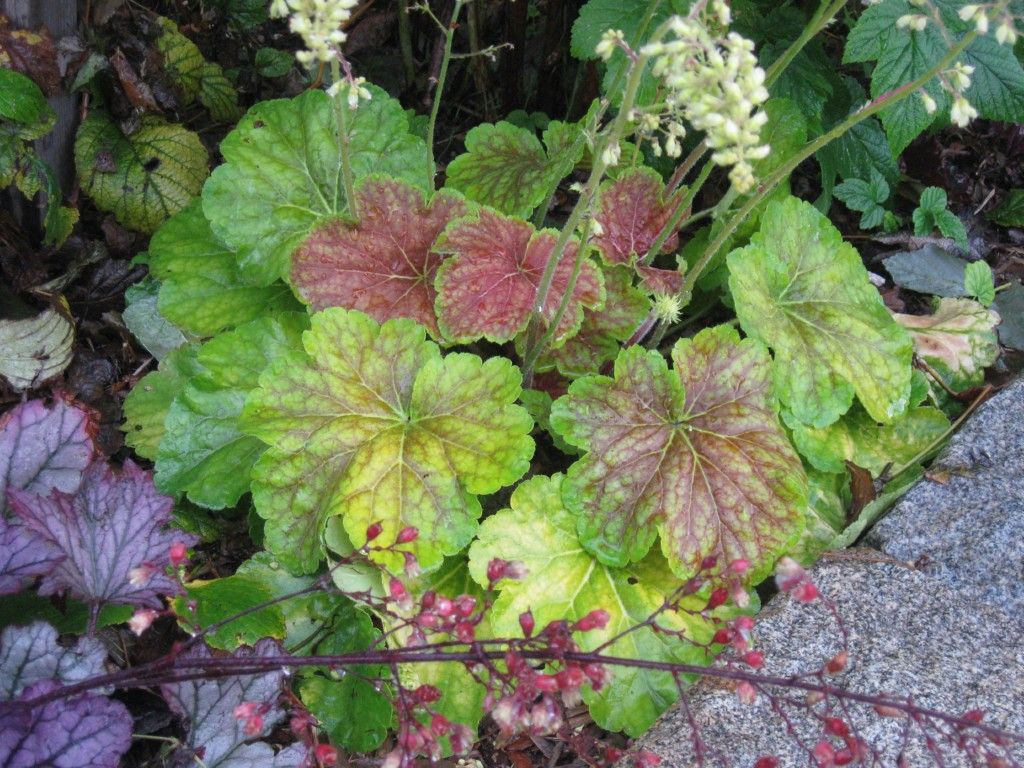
column 981, row 15
column 318, row 23
column 714, row 83
column 956, row 81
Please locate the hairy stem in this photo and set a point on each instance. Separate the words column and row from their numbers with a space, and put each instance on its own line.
column 341, row 113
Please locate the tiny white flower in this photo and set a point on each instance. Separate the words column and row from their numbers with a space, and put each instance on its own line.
column 1006, row 34
column 967, row 12
column 962, row 112
column 913, row 21
column 610, row 155
column 610, row 40
column 929, row 103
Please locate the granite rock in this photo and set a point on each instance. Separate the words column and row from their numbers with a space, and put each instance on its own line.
column 965, row 527
column 907, row 636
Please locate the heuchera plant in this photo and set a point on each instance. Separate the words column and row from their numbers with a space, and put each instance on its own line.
column 498, row 456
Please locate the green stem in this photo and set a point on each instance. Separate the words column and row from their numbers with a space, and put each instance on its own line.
column 341, row 112
column 534, row 346
column 871, row 108
column 442, row 75
column 677, row 216
column 817, row 23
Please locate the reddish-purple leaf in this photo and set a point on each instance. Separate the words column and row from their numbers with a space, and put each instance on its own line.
column 215, row 733
column 111, row 532
column 696, row 456
column 86, row 730
column 631, row 211
column 385, row 264
column 44, row 447
column 660, row 282
column 24, row 555
column 488, row 288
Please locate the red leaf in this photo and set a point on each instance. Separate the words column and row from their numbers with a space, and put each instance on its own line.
column 384, row 265
column 660, row 282
column 631, row 211
column 488, row 287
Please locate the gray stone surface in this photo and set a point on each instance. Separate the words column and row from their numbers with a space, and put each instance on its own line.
column 907, row 635
column 969, row 531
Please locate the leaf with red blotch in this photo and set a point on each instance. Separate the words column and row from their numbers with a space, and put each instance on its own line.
column 207, row 707
column 111, row 532
column 87, row 730
column 385, row 264
column 44, row 447
column 660, row 282
column 488, row 287
column 631, row 211
column 602, row 333
column 696, row 456
column 23, row 556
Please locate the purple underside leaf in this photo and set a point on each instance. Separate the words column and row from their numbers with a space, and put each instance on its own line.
column 24, row 555
column 111, row 532
column 44, row 447
column 86, row 730
column 207, row 707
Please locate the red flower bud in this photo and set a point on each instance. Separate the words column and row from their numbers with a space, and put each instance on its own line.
column 326, row 754
column 767, row 761
column 426, row 694
column 718, row 598
column 837, row 663
column 596, row 619
column 373, row 531
column 836, row 727
column 407, row 534
column 546, row 683
column 722, row 636
column 527, row 623
column 754, row 659
column 465, row 605
column 806, row 592
column 465, row 632
column 178, row 553
column 824, row 753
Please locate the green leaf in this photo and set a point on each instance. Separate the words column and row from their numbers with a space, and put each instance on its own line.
column 866, row 197
column 354, row 714
column 143, row 178
column 785, row 132
column 23, row 103
column 858, row 438
column 929, row 269
column 826, row 515
column 203, row 454
column 372, row 424
column 1010, row 213
column 565, row 582
column 931, row 214
column 282, row 175
column 35, row 349
column 506, row 167
column 143, row 318
column 202, row 290
column 195, row 77
column 804, row 292
column 696, row 456
column 220, row 599
column 958, row 340
column 217, row 94
column 270, row 62
column 978, row 282
column 67, row 615
column 146, row 406
column 538, row 404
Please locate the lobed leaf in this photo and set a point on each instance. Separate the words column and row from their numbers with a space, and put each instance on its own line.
column 24, row 555
column 631, row 212
column 146, row 406
column 488, row 288
column 202, row 290
column 31, row 654
column 372, row 424
column 143, row 178
column 506, row 167
column 565, row 582
column 804, row 292
column 383, row 265
column 111, row 533
column 696, row 456
column 35, row 349
column 203, row 453
column 282, row 176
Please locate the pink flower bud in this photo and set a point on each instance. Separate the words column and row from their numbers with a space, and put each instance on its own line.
column 836, row 727
column 718, row 598
column 496, row 570
column 526, row 623
column 326, row 755
column 439, row 724
column 766, row 761
column 596, row 619
column 178, row 553
column 739, row 566
column 709, row 562
column 837, row 663
column 426, row 694
column 644, row 759
column 546, row 683
column 754, row 659
column 412, row 565
column 722, row 637
column 806, row 592
column 465, row 605
column 139, row 577
column 445, row 607
column 570, row 677
column 373, row 531
column 824, row 753
column 407, row 535
column 746, row 693
column 465, row 632
column 141, row 620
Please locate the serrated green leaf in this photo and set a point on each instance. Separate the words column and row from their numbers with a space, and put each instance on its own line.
column 146, row 406
column 203, row 454
column 182, row 60
column 785, row 132
column 1010, row 213
column 866, row 197
column 354, row 714
column 202, row 290
column 931, row 214
column 958, row 340
column 506, row 167
column 217, row 94
column 271, row 62
column 372, row 424
column 35, row 349
column 696, row 456
column 282, row 175
column 858, row 438
column 219, row 599
column 805, row 292
column 565, row 582
column 978, row 282
column 143, row 178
